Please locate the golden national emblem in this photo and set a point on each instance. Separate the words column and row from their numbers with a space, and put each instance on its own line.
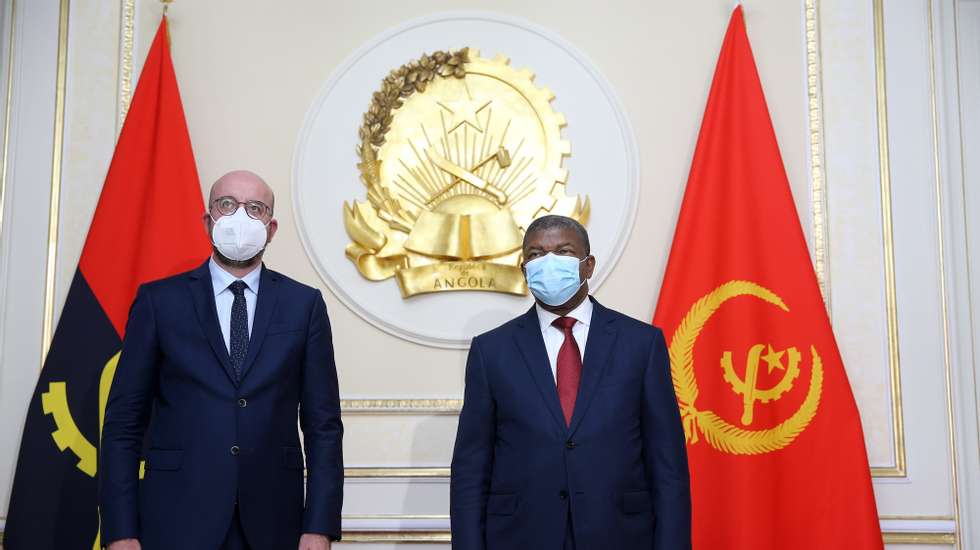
column 458, row 154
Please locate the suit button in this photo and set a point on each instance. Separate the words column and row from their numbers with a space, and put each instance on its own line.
column 235, row 450
column 242, row 403
column 569, row 444
column 563, row 495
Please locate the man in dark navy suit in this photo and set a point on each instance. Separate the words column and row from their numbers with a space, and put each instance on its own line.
column 570, row 435
column 216, row 365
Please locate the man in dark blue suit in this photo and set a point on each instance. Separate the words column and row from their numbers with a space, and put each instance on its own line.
column 570, row 435
column 215, row 364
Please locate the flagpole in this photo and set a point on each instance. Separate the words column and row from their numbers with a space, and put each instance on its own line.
column 166, row 7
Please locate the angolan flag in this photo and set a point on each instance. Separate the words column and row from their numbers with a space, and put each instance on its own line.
column 147, row 226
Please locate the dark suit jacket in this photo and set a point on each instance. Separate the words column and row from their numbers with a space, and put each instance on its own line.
column 212, row 440
column 619, row 471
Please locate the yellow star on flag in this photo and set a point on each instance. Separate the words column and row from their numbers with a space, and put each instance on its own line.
column 774, row 359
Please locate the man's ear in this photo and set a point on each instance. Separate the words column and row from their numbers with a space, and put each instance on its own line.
column 272, row 228
column 588, row 266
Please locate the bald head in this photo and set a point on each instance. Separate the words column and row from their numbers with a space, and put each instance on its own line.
column 244, row 186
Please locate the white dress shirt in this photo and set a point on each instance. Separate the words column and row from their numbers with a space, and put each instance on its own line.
column 554, row 337
column 223, row 297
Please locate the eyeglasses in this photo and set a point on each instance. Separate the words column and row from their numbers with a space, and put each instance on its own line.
column 257, row 210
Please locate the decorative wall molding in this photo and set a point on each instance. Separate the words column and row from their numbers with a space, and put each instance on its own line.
column 818, row 181
column 941, row 238
column 11, row 17
column 395, row 472
column 435, row 528
column 127, row 35
column 401, row 406
column 891, row 300
column 54, row 209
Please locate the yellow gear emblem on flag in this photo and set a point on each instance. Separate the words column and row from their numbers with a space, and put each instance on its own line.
column 67, row 435
column 720, row 434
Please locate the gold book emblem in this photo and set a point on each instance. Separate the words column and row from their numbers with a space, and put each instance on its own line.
column 459, row 154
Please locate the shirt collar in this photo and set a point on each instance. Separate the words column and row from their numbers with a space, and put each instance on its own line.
column 220, row 278
column 582, row 314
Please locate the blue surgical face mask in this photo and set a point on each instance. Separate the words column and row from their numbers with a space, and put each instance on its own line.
column 553, row 279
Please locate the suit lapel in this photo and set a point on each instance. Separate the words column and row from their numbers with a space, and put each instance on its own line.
column 598, row 350
column 531, row 344
column 267, row 299
column 202, row 292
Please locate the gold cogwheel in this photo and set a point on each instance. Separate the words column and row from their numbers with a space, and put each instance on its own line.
column 67, row 435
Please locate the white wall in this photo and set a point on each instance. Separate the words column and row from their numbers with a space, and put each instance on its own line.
column 901, row 301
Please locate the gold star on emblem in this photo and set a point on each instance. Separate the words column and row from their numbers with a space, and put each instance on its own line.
column 774, row 359
column 465, row 111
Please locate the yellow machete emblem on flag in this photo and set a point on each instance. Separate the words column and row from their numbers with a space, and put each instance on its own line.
column 720, row 434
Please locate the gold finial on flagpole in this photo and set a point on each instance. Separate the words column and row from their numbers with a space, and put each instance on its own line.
column 166, row 6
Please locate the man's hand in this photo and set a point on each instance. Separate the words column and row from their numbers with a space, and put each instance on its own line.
column 312, row 541
column 131, row 544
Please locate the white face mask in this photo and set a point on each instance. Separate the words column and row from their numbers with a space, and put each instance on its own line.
column 239, row 237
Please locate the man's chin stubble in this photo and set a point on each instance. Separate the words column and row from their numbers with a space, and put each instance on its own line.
column 237, row 264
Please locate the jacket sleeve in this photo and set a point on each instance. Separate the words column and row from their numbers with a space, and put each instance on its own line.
column 323, row 431
column 472, row 457
column 665, row 453
column 126, row 416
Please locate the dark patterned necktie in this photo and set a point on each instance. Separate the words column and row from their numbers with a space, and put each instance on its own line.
column 568, row 367
column 239, row 327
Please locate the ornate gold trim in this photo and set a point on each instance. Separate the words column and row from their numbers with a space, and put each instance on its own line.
column 394, row 472
column 401, row 406
column 941, row 233
column 127, row 24
column 444, row 536
column 6, row 116
column 963, row 205
column 919, row 538
column 915, row 518
column 818, row 192
column 818, row 198
column 55, row 204
column 898, row 427
column 396, row 536
column 396, row 516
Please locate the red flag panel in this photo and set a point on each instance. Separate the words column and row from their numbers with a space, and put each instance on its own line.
column 141, row 228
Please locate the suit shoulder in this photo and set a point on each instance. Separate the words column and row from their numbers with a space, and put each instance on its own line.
column 292, row 285
column 167, row 284
column 635, row 326
column 502, row 331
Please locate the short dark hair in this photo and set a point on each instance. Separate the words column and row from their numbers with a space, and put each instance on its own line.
column 553, row 221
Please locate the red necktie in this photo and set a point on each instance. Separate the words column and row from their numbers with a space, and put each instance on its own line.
column 569, row 367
